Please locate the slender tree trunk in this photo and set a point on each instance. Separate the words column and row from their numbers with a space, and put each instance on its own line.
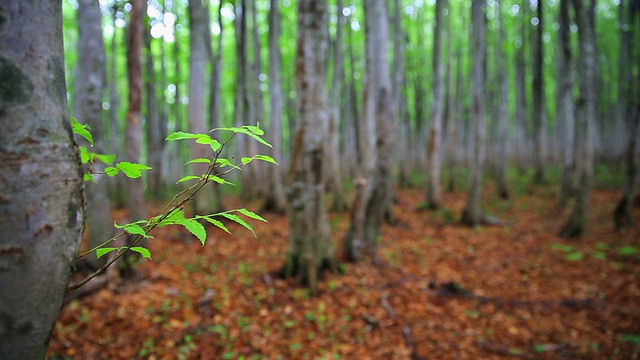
column 255, row 170
column 41, row 194
column 472, row 214
column 539, row 126
column 155, row 139
column 434, row 140
column 215, row 94
column 335, row 180
column 375, row 186
column 310, row 248
column 576, row 224
column 399, row 98
column 503, row 115
column 88, row 109
column 565, row 106
column 520, row 138
column 275, row 200
column 242, row 71
column 133, row 136
column 116, row 184
column 455, row 114
column 199, row 39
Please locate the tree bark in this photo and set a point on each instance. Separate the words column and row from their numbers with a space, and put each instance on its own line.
column 339, row 201
column 576, row 224
column 275, row 200
column 520, row 122
column 198, row 41
column 310, row 248
column 539, row 114
column 133, row 136
column 565, row 108
column 503, row 114
column 156, row 130
column 41, row 193
column 472, row 214
column 88, row 109
column 434, row 139
column 377, row 174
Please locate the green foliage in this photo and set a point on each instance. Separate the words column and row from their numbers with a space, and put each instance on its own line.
column 173, row 212
column 631, row 338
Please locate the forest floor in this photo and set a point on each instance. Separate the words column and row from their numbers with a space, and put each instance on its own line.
column 444, row 292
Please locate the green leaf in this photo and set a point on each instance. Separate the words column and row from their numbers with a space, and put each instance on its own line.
column 576, row 256
column 84, row 154
column 135, row 229
column 111, row 171
column 175, row 217
column 221, row 162
column 246, row 160
column 82, row 130
column 103, row 251
column 132, row 170
column 187, row 178
column 115, row 224
column 89, row 177
column 198, row 160
column 195, row 228
column 179, row 135
column 207, row 140
column 628, row 250
column 215, row 223
column 600, row 255
column 106, row 158
column 244, row 130
column 239, row 220
column 142, row 251
column 250, row 214
column 219, row 180
column 631, row 338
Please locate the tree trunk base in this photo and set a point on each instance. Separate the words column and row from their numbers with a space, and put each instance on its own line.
column 622, row 214
column 296, row 268
column 572, row 229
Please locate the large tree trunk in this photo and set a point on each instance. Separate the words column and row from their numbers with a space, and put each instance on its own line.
column 88, row 109
column 434, row 139
column 199, row 41
column 472, row 214
column 399, row 98
column 565, row 106
column 539, row 113
column 275, row 200
column 41, row 195
column 310, row 248
column 375, row 186
column 133, row 136
column 576, row 224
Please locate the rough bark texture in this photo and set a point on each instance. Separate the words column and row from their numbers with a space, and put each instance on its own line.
column 565, row 105
column 503, row 115
column 199, row 40
column 41, row 194
column 376, row 177
column 133, row 136
column 434, row 139
column 275, row 200
column 472, row 214
column 576, row 224
column 87, row 105
column 310, row 248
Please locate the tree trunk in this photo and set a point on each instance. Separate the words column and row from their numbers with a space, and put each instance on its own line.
column 622, row 214
column 155, row 132
column 434, row 140
column 472, row 214
column 275, row 200
column 576, row 224
column 539, row 126
column 399, row 97
column 339, row 201
column 242, row 70
column 310, row 248
column 503, row 114
column 133, row 136
column 520, row 122
column 88, row 109
column 41, row 194
column 199, row 40
column 565, row 107
column 377, row 175
column 116, row 185
column 215, row 103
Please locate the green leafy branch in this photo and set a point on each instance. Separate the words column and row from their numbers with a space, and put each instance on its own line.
column 173, row 212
